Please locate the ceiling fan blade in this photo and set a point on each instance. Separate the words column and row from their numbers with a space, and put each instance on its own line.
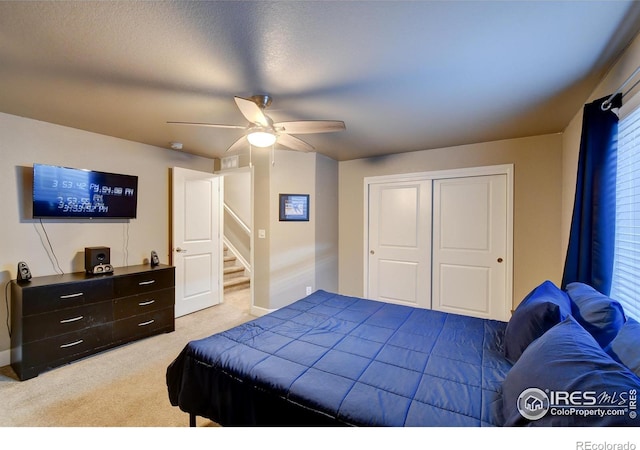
column 213, row 125
column 252, row 112
column 238, row 145
column 309, row 126
column 294, row 143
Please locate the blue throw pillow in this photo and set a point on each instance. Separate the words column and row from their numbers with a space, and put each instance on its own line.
column 624, row 347
column 598, row 314
column 545, row 306
column 564, row 369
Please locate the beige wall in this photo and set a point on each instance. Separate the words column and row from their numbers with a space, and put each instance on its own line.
column 294, row 255
column 625, row 66
column 261, row 266
column 237, row 192
column 293, row 244
column 537, row 203
column 25, row 142
column 326, row 221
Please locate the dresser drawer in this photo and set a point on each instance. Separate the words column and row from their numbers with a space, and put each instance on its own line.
column 67, row 347
column 66, row 320
column 143, row 325
column 140, row 283
column 143, row 303
column 40, row 299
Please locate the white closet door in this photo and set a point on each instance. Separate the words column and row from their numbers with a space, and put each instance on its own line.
column 399, row 239
column 470, row 246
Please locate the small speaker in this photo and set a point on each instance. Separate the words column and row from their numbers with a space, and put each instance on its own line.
column 154, row 259
column 97, row 260
column 24, row 274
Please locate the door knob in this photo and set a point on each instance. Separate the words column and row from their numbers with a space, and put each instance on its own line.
column 500, row 260
column 372, row 252
column 181, row 250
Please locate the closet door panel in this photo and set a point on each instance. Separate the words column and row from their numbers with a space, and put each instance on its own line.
column 470, row 245
column 399, row 240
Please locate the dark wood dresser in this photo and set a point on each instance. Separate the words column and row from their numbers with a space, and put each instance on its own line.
column 57, row 319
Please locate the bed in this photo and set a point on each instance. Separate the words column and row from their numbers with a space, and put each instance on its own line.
column 335, row 360
column 330, row 359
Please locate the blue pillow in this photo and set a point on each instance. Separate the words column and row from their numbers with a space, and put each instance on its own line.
column 567, row 368
column 597, row 313
column 545, row 306
column 624, row 347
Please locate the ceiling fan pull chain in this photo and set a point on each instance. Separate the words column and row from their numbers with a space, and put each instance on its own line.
column 250, row 150
column 273, row 155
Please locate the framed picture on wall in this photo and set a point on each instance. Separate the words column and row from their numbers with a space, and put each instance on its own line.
column 294, row 207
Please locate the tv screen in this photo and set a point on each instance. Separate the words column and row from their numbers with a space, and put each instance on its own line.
column 67, row 192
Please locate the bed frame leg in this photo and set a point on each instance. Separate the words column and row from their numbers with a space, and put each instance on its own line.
column 192, row 420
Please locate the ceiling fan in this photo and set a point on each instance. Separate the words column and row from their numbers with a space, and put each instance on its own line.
column 264, row 132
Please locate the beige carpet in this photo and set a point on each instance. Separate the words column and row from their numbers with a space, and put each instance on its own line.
column 122, row 387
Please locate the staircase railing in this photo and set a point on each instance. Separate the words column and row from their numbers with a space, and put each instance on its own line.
column 238, row 220
column 232, row 241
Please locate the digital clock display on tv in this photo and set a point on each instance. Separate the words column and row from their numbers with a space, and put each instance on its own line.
column 68, row 192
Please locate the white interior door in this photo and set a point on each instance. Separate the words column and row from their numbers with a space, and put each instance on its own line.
column 399, row 242
column 197, row 239
column 470, row 246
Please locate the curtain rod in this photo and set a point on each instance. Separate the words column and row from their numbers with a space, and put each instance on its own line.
column 607, row 103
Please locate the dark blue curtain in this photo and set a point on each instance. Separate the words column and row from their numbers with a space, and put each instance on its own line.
column 591, row 240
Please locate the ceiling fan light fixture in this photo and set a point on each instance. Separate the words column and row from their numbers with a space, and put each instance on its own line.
column 261, row 138
column 262, row 131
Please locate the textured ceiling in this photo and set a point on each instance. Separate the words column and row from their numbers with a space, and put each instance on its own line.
column 403, row 76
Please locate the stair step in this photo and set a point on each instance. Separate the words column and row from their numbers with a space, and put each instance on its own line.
column 233, row 269
column 236, row 283
column 229, row 261
column 233, row 272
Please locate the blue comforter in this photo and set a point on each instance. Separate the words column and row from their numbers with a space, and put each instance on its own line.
column 337, row 360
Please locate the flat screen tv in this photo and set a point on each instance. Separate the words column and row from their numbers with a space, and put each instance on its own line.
column 64, row 192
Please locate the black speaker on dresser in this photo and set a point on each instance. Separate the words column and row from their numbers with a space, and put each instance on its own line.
column 155, row 261
column 24, row 274
column 97, row 260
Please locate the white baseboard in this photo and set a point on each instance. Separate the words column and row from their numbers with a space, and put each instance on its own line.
column 258, row 311
column 5, row 358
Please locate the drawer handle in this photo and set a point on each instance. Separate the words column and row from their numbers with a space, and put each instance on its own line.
column 144, row 283
column 146, row 303
column 71, row 344
column 77, row 294
column 75, row 319
column 148, row 322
